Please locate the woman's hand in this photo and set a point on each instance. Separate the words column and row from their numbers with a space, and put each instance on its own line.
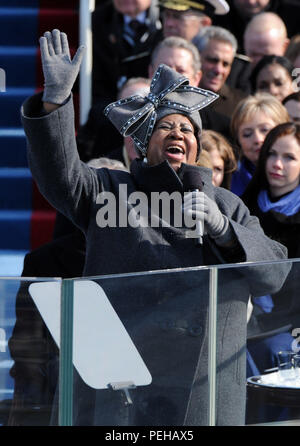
column 60, row 72
column 198, row 206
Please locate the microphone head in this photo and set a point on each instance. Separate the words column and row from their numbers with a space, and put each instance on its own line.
column 191, row 180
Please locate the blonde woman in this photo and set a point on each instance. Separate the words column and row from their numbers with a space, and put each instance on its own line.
column 251, row 121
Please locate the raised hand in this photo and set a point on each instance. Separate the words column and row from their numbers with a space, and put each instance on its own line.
column 60, row 72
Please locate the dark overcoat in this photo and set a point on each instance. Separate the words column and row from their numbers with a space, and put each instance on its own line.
column 286, row 311
column 166, row 315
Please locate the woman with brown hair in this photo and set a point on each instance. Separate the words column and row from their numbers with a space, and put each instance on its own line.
column 273, row 195
column 221, row 156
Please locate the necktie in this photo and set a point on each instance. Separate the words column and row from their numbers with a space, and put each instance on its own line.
column 138, row 29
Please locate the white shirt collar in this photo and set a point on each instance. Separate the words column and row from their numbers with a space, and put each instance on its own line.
column 141, row 17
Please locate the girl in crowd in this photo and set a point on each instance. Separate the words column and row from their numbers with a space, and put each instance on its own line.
column 221, row 155
column 252, row 119
column 273, row 195
column 274, row 75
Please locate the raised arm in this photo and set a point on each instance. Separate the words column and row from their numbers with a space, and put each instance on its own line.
column 48, row 120
column 60, row 72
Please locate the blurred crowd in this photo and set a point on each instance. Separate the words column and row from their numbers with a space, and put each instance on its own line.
column 246, row 51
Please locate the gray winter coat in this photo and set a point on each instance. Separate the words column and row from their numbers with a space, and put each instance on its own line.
column 167, row 316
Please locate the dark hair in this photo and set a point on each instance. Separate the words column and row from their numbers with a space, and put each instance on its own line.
column 293, row 49
column 292, row 97
column 259, row 179
column 270, row 60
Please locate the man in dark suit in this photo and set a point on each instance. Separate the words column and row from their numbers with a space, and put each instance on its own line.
column 265, row 34
column 90, row 139
column 124, row 34
column 217, row 47
column 183, row 56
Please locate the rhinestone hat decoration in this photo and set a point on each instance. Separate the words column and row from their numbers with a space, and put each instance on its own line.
column 170, row 93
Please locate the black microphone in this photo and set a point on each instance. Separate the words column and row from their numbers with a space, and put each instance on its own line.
column 192, row 183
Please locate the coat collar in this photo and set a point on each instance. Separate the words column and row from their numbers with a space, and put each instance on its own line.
column 224, row 91
column 162, row 178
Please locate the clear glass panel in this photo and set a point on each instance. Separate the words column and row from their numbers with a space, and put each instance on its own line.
column 153, row 354
column 29, row 357
column 273, row 394
column 152, row 349
column 249, row 386
column 141, row 349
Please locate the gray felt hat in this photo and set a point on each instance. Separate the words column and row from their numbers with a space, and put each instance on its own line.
column 170, row 93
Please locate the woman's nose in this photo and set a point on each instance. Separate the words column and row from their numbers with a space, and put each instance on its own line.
column 176, row 133
column 273, row 90
column 278, row 163
column 258, row 137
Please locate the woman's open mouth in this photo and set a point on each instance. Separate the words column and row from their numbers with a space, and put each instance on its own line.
column 175, row 152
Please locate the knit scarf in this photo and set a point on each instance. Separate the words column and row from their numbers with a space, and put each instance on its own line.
column 288, row 205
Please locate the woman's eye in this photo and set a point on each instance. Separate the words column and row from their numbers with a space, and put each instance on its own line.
column 278, row 83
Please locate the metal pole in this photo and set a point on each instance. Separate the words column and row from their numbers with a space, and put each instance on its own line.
column 65, row 408
column 212, row 344
column 85, row 36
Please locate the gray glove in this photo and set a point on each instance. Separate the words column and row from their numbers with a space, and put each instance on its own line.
column 199, row 206
column 60, row 72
